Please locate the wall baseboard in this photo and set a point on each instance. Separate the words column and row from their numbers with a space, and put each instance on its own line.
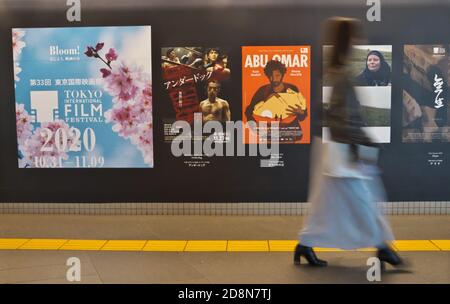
column 211, row 209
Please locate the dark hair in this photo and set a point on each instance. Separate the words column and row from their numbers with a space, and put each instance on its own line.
column 222, row 57
column 169, row 51
column 207, row 62
column 213, row 81
column 340, row 32
column 274, row 65
column 382, row 77
column 212, row 49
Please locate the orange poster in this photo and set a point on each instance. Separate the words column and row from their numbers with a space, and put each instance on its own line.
column 276, row 88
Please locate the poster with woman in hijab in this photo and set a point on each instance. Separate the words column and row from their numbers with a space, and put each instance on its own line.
column 370, row 68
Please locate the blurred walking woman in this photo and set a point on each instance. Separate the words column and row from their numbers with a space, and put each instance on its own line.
column 343, row 192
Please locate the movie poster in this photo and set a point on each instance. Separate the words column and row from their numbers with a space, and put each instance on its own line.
column 370, row 69
column 425, row 93
column 196, row 81
column 276, row 94
column 83, row 97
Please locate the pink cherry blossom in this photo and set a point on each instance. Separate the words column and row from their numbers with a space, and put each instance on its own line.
column 132, row 118
column 24, row 128
column 33, row 145
column 89, row 52
column 17, row 70
column 143, row 139
column 17, row 43
column 99, row 46
column 111, row 55
column 105, row 72
column 124, row 82
column 131, row 114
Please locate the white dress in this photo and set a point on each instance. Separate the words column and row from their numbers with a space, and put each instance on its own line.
column 343, row 204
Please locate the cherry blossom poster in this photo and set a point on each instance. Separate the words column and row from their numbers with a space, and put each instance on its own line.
column 83, row 97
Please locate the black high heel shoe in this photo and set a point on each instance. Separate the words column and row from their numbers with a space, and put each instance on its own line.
column 309, row 254
column 387, row 255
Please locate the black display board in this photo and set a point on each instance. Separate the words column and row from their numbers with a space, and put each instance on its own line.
column 408, row 176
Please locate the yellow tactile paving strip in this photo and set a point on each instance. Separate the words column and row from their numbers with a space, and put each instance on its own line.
column 282, row 246
column 12, row 243
column 367, row 249
column 415, row 245
column 83, row 245
column 198, row 245
column 43, row 244
column 165, row 246
column 442, row 244
column 116, row 245
column 319, row 249
column 206, row 246
column 248, row 246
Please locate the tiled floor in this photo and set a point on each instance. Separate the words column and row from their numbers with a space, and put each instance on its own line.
column 49, row 266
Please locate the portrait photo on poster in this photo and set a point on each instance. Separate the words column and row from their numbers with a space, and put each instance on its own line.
column 276, row 92
column 196, row 84
column 370, row 69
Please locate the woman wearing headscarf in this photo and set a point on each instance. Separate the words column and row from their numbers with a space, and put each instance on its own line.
column 376, row 73
column 343, row 192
